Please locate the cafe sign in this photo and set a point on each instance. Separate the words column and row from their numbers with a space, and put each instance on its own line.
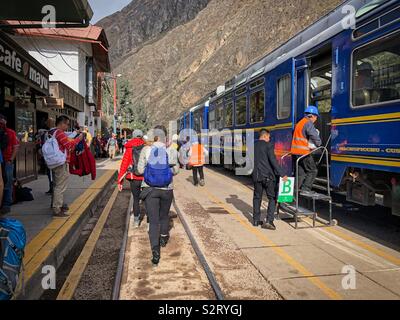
column 12, row 60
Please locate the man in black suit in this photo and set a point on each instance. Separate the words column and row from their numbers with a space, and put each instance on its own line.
column 265, row 173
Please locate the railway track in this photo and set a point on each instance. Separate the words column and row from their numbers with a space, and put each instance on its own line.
column 79, row 278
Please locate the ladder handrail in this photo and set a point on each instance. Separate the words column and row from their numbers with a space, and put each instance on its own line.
column 325, row 151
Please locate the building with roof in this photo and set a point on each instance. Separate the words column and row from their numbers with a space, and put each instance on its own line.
column 76, row 57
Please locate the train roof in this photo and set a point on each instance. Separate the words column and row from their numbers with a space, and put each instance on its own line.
column 317, row 33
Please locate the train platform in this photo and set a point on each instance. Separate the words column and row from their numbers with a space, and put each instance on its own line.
column 49, row 239
column 308, row 263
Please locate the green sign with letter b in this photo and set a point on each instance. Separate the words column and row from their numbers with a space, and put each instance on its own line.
column 286, row 191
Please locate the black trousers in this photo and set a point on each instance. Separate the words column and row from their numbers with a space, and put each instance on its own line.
column 200, row 171
column 158, row 204
column 136, row 186
column 308, row 171
column 270, row 188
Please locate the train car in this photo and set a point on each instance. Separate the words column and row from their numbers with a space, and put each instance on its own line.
column 353, row 76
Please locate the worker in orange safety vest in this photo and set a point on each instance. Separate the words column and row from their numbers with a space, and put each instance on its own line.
column 305, row 139
column 197, row 160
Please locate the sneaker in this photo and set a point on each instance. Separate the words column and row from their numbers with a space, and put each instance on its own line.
column 61, row 214
column 65, row 207
column 257, row 223
column 173, row 215
column 156, row 256
column 269, row 226
column 136, row 222
column 4, row 211
column 202, row 183
column 164, row 241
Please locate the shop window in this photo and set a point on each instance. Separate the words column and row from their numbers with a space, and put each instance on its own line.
column 25, row 125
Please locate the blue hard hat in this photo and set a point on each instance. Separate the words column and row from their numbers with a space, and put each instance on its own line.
column 312, row 110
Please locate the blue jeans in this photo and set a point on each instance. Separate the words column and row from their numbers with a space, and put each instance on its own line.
column 8, row 185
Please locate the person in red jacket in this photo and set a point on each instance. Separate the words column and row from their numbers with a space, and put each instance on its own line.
column 127, row 171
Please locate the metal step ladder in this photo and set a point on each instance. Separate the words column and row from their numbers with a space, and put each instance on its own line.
column 294, row 209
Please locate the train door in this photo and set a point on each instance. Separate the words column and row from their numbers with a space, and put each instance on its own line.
column 320, row 92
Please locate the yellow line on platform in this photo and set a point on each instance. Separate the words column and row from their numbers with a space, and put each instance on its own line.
column 344, row 236
column 365, row 246
column 329, row 292
column 74, row 277
column 41, row 247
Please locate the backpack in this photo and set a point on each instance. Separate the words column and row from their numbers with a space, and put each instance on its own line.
column 52, row 154
column 112, row 142
column 135, row 156
column 3, row 139
column 12, row 246
column 158, row 173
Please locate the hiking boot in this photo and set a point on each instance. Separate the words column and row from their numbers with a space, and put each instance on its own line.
column 202, row 183
column 164, row 241
column 156, row 256
column 269, row 226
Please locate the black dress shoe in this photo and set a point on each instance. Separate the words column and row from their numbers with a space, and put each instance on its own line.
column 269, row 226
column 257, row 223
column 164, row 241
column 156, row 256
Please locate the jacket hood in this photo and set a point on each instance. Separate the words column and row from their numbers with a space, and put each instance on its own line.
column 135, row 142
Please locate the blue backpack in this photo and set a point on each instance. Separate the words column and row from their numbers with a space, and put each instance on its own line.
column 12, row 246
column 158, row 173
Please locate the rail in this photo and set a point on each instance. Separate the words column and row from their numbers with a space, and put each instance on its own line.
column 213, row 281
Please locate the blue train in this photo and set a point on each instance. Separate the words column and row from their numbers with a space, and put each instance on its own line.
column 351, row 71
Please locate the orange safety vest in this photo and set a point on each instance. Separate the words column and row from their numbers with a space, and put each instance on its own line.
column 197, row 158
column 300, row 142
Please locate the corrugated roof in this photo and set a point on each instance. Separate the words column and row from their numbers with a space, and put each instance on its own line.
column 91, row 34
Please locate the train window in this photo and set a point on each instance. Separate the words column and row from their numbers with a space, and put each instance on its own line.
column 241, row 114
column 240, row 91
column 284, row 97
column 257, row 83
column 376, row 72
column 196, row 120
column 229, row 113
column 257, row 100
column 321, row 89
column 365, row 29
column 211, row 118
column 219, row 114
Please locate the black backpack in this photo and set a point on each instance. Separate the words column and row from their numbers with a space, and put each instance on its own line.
column 135, row 157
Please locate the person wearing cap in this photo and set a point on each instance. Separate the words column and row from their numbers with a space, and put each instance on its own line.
column 305, row 139
column 112, row 146
column 174, row 144
column 127, row 171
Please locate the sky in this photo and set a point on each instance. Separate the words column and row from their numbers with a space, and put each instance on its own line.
column 103, row 8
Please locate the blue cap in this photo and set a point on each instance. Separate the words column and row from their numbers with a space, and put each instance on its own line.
column 312, row 110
